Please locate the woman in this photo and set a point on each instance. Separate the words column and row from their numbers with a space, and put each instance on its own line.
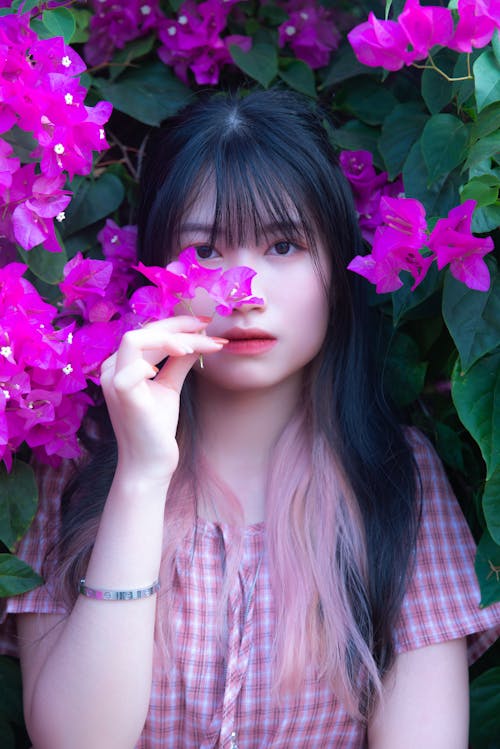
column 316, row 575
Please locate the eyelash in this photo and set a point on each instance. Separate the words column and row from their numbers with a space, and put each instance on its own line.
column 272, row 247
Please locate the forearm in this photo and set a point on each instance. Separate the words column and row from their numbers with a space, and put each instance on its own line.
column 99, row 669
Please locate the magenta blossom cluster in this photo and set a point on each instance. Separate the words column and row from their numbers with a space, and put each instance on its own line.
column 368, row 188
column 310, row 32
column 194, row 40
column 179, row 282
column 403, row 243
column 392, row 44
column 42, row 378
column 40, row 93
column 48, row 356
column 114, row 24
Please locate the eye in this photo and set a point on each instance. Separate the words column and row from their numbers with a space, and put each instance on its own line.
column 283, row 247
column 205, row 252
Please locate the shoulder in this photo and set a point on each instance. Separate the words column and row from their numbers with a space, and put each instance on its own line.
column 442, row 601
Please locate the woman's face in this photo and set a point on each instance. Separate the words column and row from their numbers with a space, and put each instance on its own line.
column 273, row 341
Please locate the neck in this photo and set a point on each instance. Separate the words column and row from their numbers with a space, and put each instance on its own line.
column 238, row 430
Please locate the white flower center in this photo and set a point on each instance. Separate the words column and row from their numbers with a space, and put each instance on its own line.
column 304, row 16
column 145, row 10
column 60, row 216
column 290, row 30
column 102, row 134
column 59, row 148
column 66, row 61
column 114, row 239
column 183, row 20
column 67, row 369
column 68, row 98
column 70, row 338
column 6, row 351
column 6, row 394
column 172, row 31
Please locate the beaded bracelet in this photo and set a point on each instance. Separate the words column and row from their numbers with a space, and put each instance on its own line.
column 118, row 595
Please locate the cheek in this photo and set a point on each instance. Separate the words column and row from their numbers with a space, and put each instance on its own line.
column 201, row 304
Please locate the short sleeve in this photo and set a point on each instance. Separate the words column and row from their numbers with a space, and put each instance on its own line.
column 443, row 596
column 35, row 549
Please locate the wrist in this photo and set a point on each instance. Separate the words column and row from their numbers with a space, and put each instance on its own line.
column 140, row 484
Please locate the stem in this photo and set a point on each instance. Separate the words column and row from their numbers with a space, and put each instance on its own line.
column 125, row 157
column 434, row 67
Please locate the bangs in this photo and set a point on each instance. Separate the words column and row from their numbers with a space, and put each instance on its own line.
column 256, row 197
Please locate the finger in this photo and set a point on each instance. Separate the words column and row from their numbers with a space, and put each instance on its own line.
column 133, row 374
column 157, row 336
column 174, row 371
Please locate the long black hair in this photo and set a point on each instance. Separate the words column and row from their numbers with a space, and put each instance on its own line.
column 270, row 158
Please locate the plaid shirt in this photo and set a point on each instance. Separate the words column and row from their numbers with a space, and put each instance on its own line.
column 214, row 701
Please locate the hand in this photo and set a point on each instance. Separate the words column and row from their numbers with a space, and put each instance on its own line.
column 145, row 411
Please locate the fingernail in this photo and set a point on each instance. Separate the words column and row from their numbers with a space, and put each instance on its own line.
column 155, row 369
column 219, row 340
column 188, row 350
column 204, row 318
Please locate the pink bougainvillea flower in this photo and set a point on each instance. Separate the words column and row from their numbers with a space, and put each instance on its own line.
column 8, row 165
column 180, row 279
column 425, row 26
column 233, row 290
column 311, row 34
column 397, row 246
column 194, row 274
column 388, row 258
column 380, row 43
column 453, row 243
column 193, row 41
column 406, row 217
column 114, row 24
column 368, row 188
column 84, row 281
column 477, row 21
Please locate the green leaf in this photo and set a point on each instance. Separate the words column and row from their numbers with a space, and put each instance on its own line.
column 482, row 189
column 438, row 198
column 59, row 22
column 495, row 45
column 437, row 92
column 299, row 76
column 149, row 94
column 405, row 301
column 18, row 502
column 486, row 219
column 491, row 505
column 405, row 373
column 486, row 563
column 482, row 149
column 476, row 395
column 344, row 66
column 48, row 266
column 16, row 576
column 487, row 122
column 123, row 57
column 24, row 5
column 449, row 446
column 82, row 18
column 401, row 128
column 485, row 709
column 472, row 317
column 92, row 201
column 23, row 143
column 261, row 63
column 444, row 142
column 487, row 76
column 355, row 136
column 368, row 100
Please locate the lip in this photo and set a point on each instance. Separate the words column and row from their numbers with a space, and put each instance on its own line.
column 248, row 341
